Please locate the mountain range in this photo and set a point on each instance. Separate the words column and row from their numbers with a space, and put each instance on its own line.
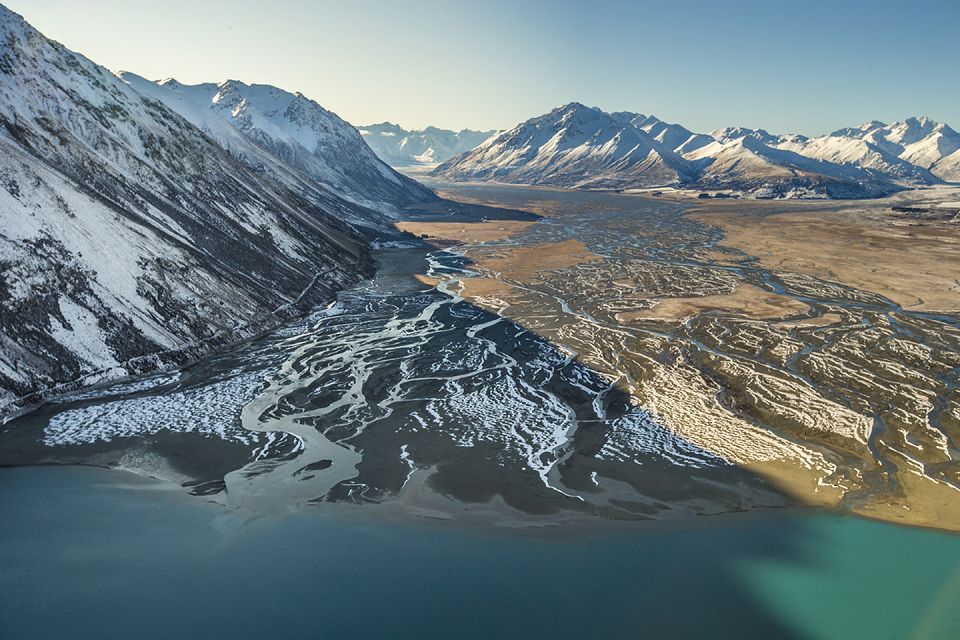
column 400, row 148
column 583, row 147
column 145, row 224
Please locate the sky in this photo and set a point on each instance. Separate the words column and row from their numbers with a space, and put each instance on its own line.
column 799, row 66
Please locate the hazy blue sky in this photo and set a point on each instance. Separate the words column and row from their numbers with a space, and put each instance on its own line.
column 800, row 66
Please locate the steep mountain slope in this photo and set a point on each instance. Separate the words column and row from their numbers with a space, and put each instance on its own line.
column 254, row 121
column 907, row 151
column 573, row 146
column 948, row 167
column 400, row 148
column 748, row 165
column 861, row 153
column 129, row 240
column 673, row 136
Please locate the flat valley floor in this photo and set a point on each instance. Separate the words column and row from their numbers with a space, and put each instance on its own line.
column 814, row 344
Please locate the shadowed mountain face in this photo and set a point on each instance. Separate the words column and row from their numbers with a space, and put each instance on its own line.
column 577, row 146
column 401, row 148
column 129, row 239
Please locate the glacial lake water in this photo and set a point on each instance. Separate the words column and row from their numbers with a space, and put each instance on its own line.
column 94, row 554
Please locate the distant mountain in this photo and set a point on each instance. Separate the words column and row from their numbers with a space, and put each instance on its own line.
column 748, row 165
column 582, row 147
column 573, row 146
column 730, row 134
column 948, row 167
column 130, row 240
column 860, row 153
column 401, row 148
column 275, row 131
column 918, row 141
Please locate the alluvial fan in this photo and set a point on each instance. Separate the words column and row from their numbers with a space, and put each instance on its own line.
column 386, row 387
column 402, row 393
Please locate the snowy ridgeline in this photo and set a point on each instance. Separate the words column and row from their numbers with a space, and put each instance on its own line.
column 583, row 147
column 401, row 148
column 292, row 139
column 145, row 224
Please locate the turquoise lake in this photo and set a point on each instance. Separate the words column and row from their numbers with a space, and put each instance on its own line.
column 86, row 553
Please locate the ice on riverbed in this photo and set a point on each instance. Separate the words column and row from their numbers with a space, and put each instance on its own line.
column 510, row 413
column 636, row 435
column 212, row 410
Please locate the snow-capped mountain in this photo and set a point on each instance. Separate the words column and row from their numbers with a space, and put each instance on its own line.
column 748, row 165
column 129, row 239
column 920, row 142
column 859, row 152
column 905, row 152
column 673, row 136
column 401, row 148
column 948, row 167
column 261, row 125
column 730, row 134
column 576, row 146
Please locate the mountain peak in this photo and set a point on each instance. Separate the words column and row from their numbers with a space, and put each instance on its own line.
column 296, row 134
column 575, row 106
column 572, row 109
column 232, row 84
column 574, row 145
column 578, row 146
column 729, row 134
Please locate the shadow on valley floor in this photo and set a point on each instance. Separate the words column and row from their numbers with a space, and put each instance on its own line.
column 441, row 399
